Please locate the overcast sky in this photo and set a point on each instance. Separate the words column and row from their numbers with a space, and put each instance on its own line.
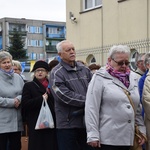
column 52, row 10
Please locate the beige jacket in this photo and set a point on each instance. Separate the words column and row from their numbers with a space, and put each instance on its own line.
column 146, row 105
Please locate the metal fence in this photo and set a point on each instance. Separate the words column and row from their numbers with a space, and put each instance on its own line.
column 142, row 46
column 101, row 53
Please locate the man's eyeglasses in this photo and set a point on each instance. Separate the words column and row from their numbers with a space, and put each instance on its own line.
column 121, row 63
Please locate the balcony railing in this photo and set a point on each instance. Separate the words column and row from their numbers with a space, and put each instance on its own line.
column 51, row 49
column 55, row 36
column 23, row 33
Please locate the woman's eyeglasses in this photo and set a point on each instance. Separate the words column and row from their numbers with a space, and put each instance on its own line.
column 40, row 70
column 121, row 63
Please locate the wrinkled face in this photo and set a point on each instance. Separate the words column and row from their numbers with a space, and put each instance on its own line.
column 119, row 62
column 6, row 65
column 68, row 54
column 40, row 73
column 16, row 70
column 140, row 64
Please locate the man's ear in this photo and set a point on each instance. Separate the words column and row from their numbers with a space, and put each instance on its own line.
column 59, row 54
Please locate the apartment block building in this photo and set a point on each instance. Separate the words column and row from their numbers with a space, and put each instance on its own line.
column 95, row 25
column 40, row 36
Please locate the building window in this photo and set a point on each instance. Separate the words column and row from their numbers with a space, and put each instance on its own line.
column 54, row 43
column 32, row 29
column 35, row 43
column 91, row 4
column 29, row 43
column 37, row 29
column 53, row 31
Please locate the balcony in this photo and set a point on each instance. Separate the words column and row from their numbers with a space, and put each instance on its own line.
column 51, row 49
column 23, row 33
column 55, row 36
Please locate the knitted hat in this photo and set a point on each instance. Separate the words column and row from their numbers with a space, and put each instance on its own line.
column 40, row 64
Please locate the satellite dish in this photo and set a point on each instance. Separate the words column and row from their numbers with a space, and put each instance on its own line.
column 47, row 43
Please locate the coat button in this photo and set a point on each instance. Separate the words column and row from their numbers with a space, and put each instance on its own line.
column 128, row 106
column 129, row 121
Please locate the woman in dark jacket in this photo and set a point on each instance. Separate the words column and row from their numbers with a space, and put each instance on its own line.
column 32, row 97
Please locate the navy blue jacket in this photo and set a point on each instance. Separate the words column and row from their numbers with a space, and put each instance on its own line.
column 140, row 86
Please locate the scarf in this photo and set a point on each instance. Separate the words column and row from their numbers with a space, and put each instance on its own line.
column 45, row 83
column 123, row 77
column 10, row 72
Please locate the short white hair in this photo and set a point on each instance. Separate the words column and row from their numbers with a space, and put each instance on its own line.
column 118, row 49
column 59, row 45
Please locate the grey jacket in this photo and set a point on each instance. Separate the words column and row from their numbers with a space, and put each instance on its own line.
column 109, row 115
column 10, row 117
column 69, row 87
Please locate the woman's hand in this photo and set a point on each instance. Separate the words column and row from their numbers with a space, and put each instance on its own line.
column 94, row 144
column 16, row 102
column 45, row 96
column 142, row 141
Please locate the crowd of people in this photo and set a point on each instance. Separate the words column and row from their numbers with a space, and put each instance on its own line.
column 88, row 103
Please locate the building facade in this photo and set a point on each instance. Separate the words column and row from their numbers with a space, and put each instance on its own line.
column 95, row 25
column 40, row 37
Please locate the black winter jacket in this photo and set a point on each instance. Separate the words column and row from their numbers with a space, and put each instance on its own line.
column 31, row 105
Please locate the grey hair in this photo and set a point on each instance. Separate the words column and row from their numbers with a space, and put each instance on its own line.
column 147, row 59
column 17, row 64
column 4, row 55
column 59, row 45
column 139, row 57
column 118, row 49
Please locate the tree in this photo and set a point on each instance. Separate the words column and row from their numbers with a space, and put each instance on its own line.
column 16, row 48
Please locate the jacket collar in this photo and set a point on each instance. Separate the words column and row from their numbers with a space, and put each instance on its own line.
column 41, row 88
column 69, row 68
column 102, row 72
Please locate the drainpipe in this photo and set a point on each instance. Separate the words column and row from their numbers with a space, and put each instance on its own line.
column 147, row 50
column 102, row 60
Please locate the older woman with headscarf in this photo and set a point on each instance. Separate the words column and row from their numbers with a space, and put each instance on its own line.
column 11, row 85
column 109, row 115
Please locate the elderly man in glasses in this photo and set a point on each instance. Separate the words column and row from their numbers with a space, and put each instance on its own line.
column 141, row 69
column 109, row 115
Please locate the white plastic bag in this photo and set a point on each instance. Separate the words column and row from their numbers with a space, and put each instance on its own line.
column 45, row 118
